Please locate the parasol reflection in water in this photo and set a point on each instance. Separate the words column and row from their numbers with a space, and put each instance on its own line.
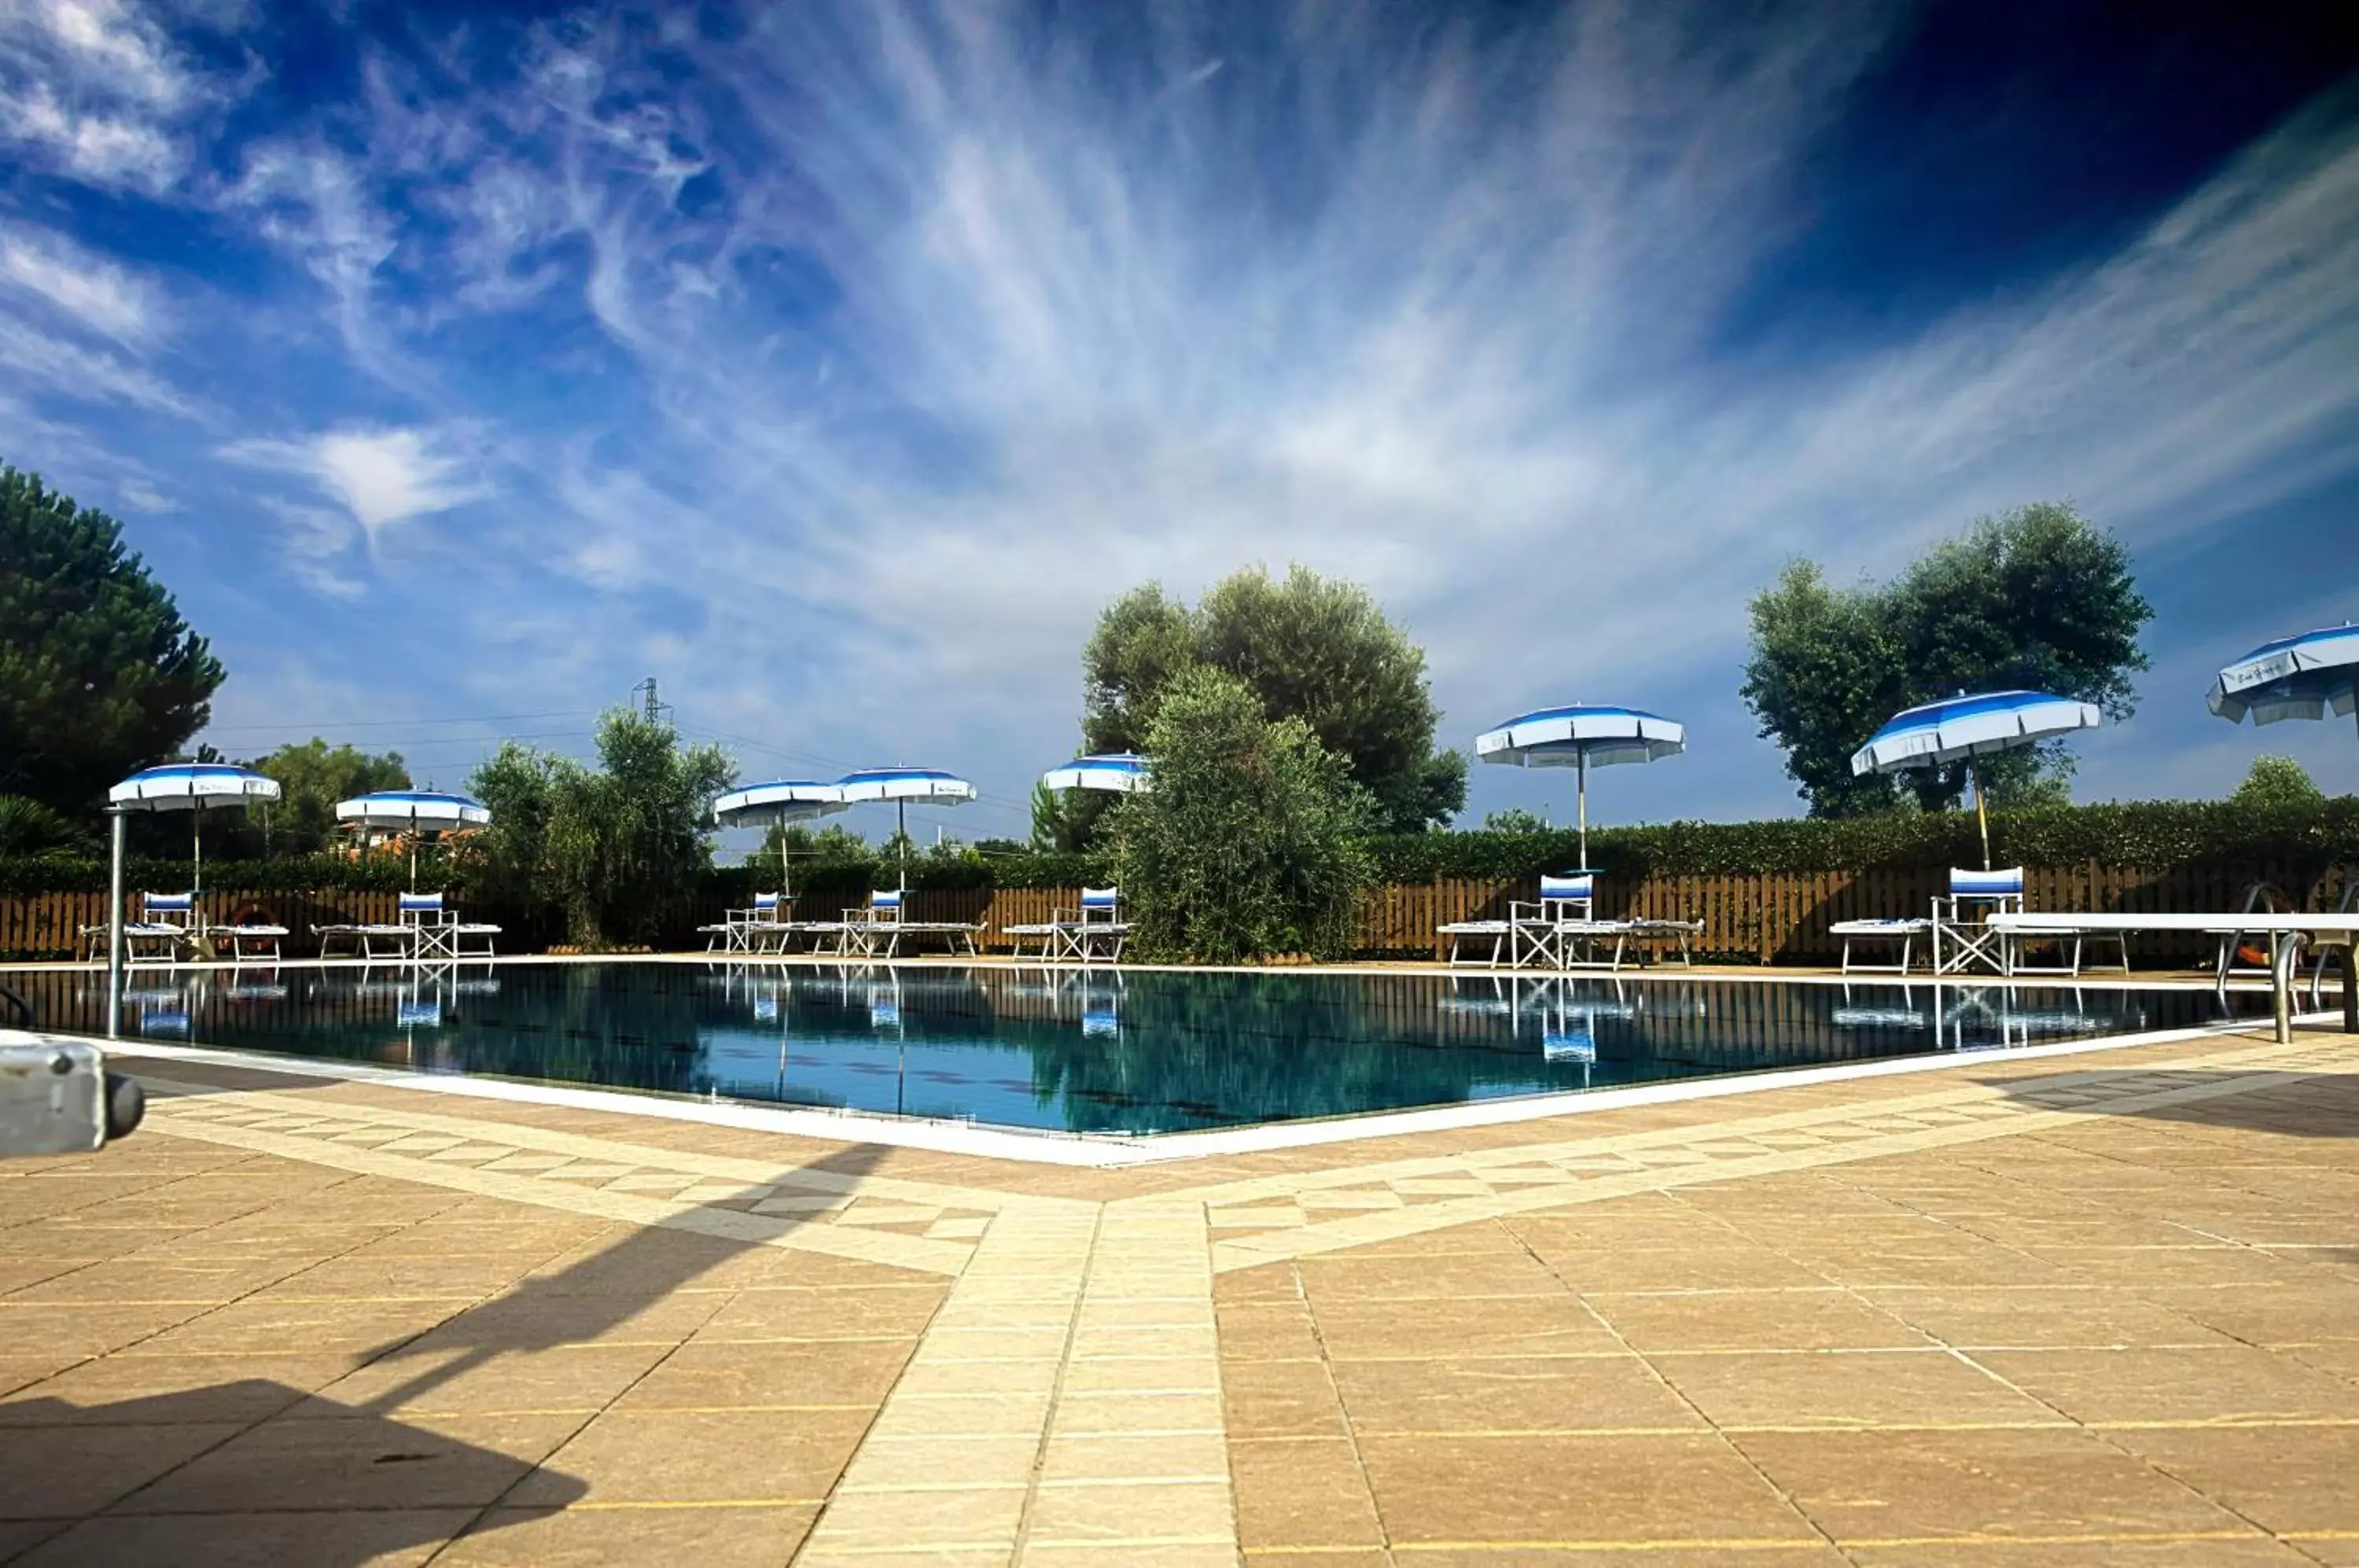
column 1098, row 1050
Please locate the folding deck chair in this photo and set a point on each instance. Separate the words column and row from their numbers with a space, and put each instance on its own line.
column 757, row 928
column 1079, row 934
column 435, row 931
column 1962, row 937
column 1560, row 931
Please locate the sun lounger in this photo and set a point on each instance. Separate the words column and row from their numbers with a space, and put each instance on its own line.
column 249, row 939
column 362, row 937
column 757, row 928
column 884, row 927
column 1904, row 932
column 1095, row 929
column 166, row 930
column 1462, row 932
column 1965, row 939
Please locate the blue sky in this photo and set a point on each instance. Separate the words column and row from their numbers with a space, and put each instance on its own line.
column 459, row 367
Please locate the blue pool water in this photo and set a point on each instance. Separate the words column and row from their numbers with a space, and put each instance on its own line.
column 1098, row 1051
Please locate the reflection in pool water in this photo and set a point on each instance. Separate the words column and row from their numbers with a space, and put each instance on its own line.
column 1100, row 1050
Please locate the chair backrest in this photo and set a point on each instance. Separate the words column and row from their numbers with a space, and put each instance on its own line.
column 884, row 904
column 1101, row 904
column 1580, row 889
column 420, row 908
column 167, row 909
column 1990, row 886
column 765, row 903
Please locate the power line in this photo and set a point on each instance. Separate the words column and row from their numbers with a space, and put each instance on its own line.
column 396, row 724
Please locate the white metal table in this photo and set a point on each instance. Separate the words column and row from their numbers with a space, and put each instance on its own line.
column 2289, row 934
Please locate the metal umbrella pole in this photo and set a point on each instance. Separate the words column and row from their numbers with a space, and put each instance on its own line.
column 114, row 926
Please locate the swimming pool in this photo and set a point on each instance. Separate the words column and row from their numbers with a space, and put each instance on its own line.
column 1098, row 1051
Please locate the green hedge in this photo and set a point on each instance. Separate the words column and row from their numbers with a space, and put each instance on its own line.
column 2149, row 835
column 21, row 876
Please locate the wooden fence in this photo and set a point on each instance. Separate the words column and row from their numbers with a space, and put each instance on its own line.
column 1769, row 919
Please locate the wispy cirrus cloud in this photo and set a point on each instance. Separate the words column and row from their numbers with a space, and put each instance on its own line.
column 83, row 287
column 100, row 90
column 843, row 360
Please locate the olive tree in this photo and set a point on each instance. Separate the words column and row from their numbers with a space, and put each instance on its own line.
column 2038, row 598
column 1309, row 647
column 1248, row 843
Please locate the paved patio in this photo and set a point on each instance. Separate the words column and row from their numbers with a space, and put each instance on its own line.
column 2097, row 1309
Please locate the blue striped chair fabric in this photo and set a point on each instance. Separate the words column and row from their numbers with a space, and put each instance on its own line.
column 1581, row 888
column 2002, row 884
column 1100, row 898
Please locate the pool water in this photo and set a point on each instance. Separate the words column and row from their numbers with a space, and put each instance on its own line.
column 1098, row 1051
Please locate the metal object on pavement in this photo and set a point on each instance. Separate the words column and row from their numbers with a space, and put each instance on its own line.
column 57, row 1097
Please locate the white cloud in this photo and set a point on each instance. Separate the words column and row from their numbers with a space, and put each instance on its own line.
column 950, row 332
column 380, row 475
column 100, row 90
column 87, row 289
column 61, row 368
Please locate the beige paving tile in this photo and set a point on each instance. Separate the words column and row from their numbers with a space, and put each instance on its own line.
column 1838, row 1389
column 1302, row 1493
column 1124, row 1515
column 64, row 1471
column 2057, row 1485
column 1973, row 1317
column 373, row 1538
column 131, row 1389
column 362, row 1462
column 706, row 1376
column 2294, row 1479
column 701, row 1456
column 1554, row 1493
column 1128, row 1456
column 577, row 1378
column 1573, row 1393
column 593, row 1537
column 1819, row 1319
column 2230, row 1382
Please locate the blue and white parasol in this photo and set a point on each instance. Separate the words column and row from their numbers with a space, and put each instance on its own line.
column 423, row 810
column 1117, row 772
column 779, row 801
column 1961, row 728
column 193, row 787
column 1582, row 738
column 418, row 811
column 2303, row 677
column 926, row 786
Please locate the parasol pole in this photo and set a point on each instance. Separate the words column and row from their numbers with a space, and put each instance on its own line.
column 114, row 926
column 901, row 820
column 1581, row 765
column 1982, row 817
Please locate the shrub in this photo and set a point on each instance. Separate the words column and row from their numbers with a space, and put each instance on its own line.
column 1248, row 844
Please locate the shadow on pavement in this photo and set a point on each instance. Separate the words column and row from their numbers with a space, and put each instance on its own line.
column 255, row 1471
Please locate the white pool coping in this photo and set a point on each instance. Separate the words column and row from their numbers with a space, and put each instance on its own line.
column 1111, row 1151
